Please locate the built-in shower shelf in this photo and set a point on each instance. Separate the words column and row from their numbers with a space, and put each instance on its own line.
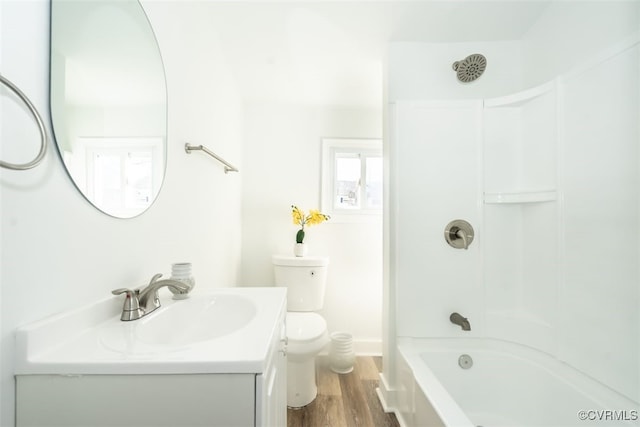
column 520, row 197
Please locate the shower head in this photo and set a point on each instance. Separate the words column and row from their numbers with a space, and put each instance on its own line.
column 470, row 68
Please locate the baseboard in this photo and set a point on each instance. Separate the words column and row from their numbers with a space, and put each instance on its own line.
column 387, row 397
column 401, row 420
column 386, row 394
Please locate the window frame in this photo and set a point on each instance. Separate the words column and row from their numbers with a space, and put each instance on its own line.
column 362, row 148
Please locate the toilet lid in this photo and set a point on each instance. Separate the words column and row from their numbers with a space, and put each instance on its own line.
column 295, row 261
column 305, row 326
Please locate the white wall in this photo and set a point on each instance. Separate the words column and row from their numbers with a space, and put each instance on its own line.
column 59, row 252
column 282, row 167
column 569, row 32
column 590, row 306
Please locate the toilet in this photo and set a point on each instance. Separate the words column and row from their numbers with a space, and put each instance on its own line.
column 305, row 279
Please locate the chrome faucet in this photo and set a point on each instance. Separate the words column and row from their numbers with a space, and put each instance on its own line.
column 140, row 302
column 458, row 319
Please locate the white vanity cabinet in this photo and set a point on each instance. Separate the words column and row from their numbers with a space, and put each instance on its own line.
column 223, row 400
column 75, row 379
column 271, row 386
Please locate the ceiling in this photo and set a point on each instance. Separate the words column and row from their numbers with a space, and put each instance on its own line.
column 330, row 52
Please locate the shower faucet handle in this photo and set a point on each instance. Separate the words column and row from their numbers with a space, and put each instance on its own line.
column 459, row 234
column 462, row 235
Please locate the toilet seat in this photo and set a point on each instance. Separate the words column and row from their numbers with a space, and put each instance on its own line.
column 305, row 327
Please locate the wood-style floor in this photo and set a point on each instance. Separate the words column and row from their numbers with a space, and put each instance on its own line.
column 345, row 400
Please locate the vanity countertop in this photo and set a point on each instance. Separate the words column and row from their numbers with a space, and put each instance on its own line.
column 224, row 330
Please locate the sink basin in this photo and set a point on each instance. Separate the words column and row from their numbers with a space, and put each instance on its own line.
column 221, row 331
column 197, row 320
column 182, row 323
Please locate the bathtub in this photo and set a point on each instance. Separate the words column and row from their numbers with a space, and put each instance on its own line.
column 506, row 385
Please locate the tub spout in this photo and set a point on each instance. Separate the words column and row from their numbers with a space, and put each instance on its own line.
column 458, row 319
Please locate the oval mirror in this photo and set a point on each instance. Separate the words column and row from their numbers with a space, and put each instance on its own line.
column 108, row 101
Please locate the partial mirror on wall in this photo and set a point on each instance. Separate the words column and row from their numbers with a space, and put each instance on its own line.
column 108, row 102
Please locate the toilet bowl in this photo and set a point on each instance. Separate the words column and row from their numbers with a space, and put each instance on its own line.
column 306, row 337
column 305, row 279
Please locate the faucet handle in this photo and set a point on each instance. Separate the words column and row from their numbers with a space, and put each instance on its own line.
column 131, row 308
column 459, row 234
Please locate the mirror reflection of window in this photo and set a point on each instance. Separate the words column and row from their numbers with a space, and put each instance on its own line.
column 107, row 179
column 122, row 174
column 139, row 188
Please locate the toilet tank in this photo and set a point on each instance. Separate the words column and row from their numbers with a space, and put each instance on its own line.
column 305, row 279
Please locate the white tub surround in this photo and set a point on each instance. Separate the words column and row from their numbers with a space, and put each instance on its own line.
column 541, row 174
column 213, row 359
column 507, row 385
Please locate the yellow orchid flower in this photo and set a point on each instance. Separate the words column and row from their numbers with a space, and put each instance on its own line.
column 298, row 215
column 301, row 219
column 315, row 217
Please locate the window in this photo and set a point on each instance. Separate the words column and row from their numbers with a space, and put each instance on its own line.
column 351, row 177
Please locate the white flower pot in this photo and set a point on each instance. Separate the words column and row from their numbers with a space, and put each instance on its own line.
column 300, row 249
